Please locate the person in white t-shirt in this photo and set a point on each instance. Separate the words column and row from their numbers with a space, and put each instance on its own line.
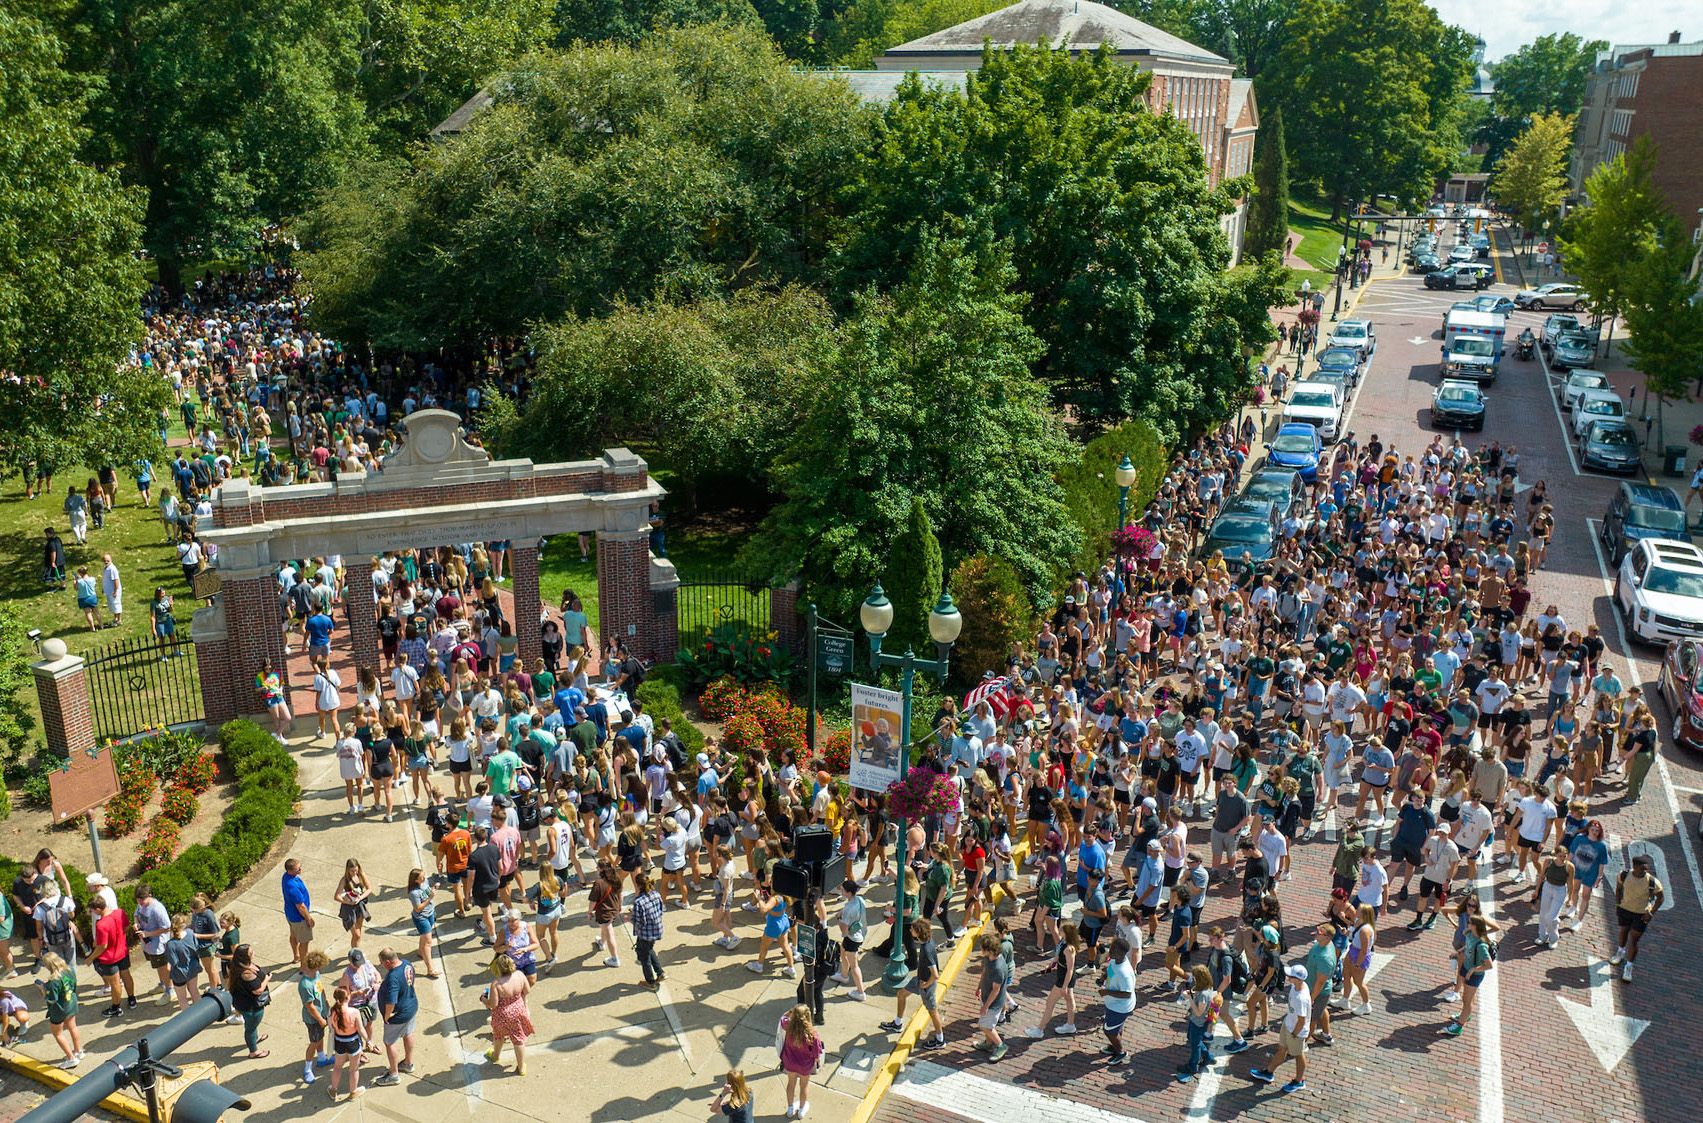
column 327, row 701
column 1535, row 814
column 1373, row 888
column 1292, row 1037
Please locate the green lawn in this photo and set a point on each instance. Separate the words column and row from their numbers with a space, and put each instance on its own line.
column 696, row 554
column 1320, row 237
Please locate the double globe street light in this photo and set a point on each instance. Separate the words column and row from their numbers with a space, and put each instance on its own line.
column 944, row 624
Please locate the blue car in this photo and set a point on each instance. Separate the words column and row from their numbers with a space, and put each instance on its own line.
column 1296, row 447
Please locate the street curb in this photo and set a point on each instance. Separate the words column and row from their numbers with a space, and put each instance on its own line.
column 889, row 1071
column 58, row 1079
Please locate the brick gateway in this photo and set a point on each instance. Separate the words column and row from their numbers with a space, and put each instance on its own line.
column 436, row 490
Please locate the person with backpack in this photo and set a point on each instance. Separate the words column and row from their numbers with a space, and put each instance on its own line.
column 1230, row 978
column 1203, row 1004
column 1478, row 958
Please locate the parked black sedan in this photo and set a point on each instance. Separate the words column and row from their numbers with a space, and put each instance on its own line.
column 1457, row 405
column 1427, row 263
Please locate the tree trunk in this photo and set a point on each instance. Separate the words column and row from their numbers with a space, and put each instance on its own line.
column 170, row 270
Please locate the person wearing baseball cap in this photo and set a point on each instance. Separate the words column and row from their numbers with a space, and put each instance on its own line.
column 1150, row 888
column 1291, row 1038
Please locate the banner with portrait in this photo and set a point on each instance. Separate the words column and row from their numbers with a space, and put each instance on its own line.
column 878, row 736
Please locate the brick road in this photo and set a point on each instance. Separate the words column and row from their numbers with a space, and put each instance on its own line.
column 1395, row 1062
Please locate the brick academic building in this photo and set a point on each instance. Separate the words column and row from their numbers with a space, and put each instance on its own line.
column 1653, row 90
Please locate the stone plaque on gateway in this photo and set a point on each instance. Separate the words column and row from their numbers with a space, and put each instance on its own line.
column 85, row 782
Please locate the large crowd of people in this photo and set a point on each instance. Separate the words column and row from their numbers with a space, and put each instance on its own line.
column 1385, row 688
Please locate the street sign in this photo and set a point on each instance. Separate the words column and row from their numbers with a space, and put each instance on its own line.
column 833, row 653
column 806, row 942
column 83, row 783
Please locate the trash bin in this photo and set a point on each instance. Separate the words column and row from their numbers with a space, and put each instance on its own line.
column 1673, row 460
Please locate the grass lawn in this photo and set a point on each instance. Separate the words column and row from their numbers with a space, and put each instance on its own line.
column 1320, row 237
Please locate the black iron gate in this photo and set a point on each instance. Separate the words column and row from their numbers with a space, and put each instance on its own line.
column 706, row 603
column 139, row 684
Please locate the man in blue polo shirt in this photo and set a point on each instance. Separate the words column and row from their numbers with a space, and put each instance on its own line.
column 398, row 1004
column 1091, row 855
column 298, row 911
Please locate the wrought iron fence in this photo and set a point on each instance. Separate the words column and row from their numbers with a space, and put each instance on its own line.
column 705, row 603
column 139, row 684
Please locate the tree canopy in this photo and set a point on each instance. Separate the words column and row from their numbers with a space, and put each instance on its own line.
column 1268, row 210
column 70, row 282
column 1373, row 93
column 930, row 397
column 1664, row 319
column 1602, row 243
column 710, row 388
column 1531, row 180
column 420, row 59
column 226, row 115
column 695, row 164
column 1113, row 228
column 1546, row 76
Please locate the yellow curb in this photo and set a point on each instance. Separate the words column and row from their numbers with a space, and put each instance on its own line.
column 58, row 1079
column 889, row 1070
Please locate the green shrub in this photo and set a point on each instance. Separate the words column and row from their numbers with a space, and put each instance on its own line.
column 662, row 700
column 274, row 778
column 170, row 886
column 205, row 868
column 262, row 759
column 1091, row 493
column 995, row 608
column 5, row 803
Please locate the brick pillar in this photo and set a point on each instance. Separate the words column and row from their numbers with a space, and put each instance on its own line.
column 62, row 685
column 252, row 620
column 665, row 610
column 784, row 617
column 221, row 694
column 362, row 613
column 623, row 587
column 523, row 573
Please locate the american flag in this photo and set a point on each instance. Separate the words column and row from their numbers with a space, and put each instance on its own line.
column 996, row 692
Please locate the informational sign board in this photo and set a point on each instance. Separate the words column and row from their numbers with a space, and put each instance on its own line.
column 833, row 654
column 206, row 584
column 87, row 781
column 806, row 942
column 878, row 736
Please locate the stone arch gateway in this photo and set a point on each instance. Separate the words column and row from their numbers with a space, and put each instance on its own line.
column 436, row 490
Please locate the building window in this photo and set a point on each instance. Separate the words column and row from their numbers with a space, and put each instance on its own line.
column 1622, row 121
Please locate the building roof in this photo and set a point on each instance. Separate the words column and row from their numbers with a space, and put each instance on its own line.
column 458, row 121
column 1081, row 25
column 1242, row 102
column 878, row 87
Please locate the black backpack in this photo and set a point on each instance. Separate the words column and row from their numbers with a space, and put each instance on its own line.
column 1236, row 969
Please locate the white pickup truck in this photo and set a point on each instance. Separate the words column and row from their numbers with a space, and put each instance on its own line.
column 1318, row 404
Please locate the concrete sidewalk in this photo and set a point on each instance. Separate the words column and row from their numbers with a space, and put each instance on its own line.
column 606, row 1048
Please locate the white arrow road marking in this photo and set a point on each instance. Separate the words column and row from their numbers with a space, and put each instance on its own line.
column 1619, row 861
column 1380, row 960
column 1418, row 339
column 1609, row 1035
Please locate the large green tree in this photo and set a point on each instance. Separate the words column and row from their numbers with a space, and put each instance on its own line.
column 69, row 279
column 1531, row 179
column 226, row 114
column 1114, row 230
column 710, row 387
column 1664, row 318
column 1546, row 75
column 930, row 397
column 1268, row 209
column 1603, row 243
column 1253, row 34
column 420, row 59
column 863, row 29
column 695, row 164
column 1373, row 93
column 630, row 21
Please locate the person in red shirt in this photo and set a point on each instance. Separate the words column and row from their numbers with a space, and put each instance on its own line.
column 112, row 954
column 974, row 856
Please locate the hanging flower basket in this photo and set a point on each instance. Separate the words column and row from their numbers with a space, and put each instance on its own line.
column 921, row 793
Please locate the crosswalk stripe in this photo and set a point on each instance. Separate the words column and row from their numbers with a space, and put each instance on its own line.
column 991, row 1101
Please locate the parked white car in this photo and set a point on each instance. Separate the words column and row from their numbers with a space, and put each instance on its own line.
column 1596, row 405
column 1358, row 334
column 1318, row 404
column 1659, row 589
column 1578, row 381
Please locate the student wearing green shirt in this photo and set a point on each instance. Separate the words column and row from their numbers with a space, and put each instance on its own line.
column 316, row 1013
column 500, row 770
column 59, row 990
column 1321, row 969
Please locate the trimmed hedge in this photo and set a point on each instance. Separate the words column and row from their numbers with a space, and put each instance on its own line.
column 662, row 700
column 266, row 795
